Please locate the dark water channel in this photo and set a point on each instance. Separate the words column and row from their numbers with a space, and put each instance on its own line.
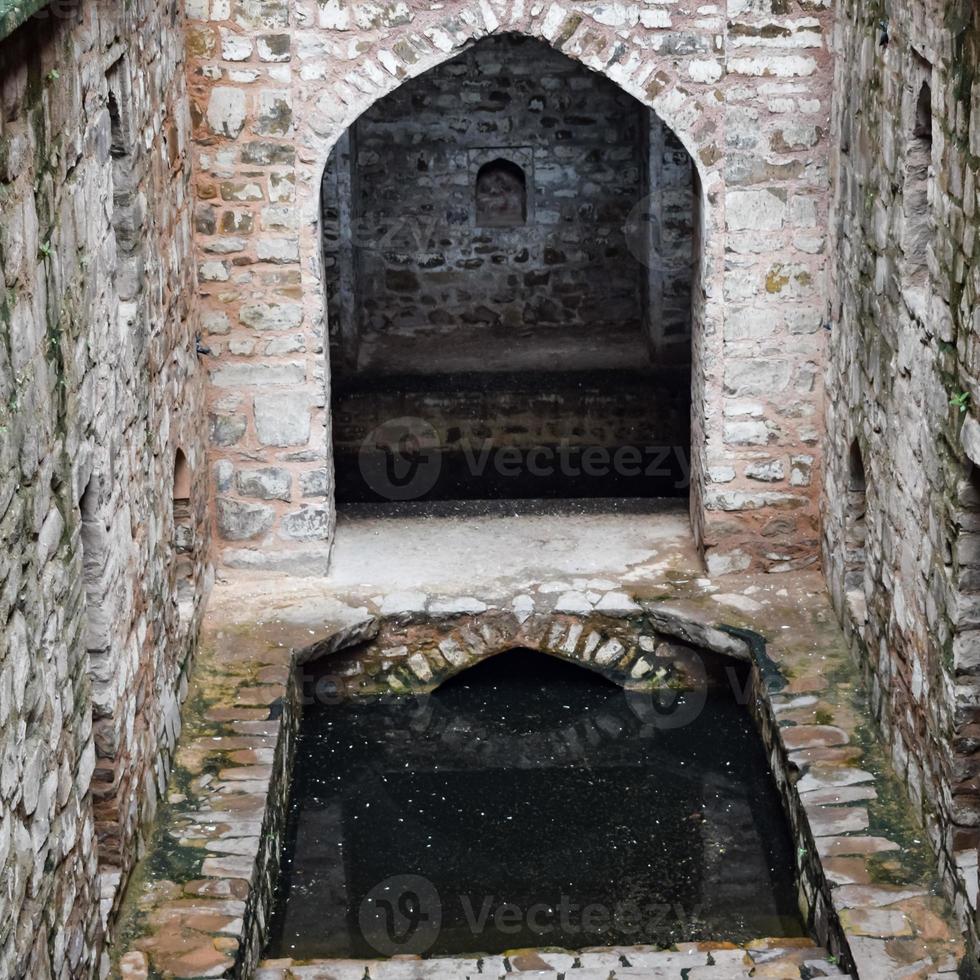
column 529, row 803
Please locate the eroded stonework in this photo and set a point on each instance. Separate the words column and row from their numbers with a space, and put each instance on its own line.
column 100, row 388
column 901, row 500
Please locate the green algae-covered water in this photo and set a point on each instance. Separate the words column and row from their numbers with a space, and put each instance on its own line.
column 530, row 803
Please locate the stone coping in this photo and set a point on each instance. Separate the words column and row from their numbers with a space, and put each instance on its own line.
column 197, row 905
column 786, row 959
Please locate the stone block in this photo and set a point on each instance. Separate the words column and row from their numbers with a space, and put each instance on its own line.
column 283, row 418
column 307, row 523
column 227, row 430
column 239, row 521
column 755, row 210
column 268, row 483
column 255, row 374
column 226, row 111
column 271, row 316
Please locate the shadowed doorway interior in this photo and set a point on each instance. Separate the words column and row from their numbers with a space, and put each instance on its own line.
column 509, row 244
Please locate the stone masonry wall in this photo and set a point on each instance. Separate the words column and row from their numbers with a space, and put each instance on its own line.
column 902, row 503
column 100, row 387
column 746, row 89
column 423, row 262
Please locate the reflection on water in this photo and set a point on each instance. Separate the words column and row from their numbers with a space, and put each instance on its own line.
column 529, row 803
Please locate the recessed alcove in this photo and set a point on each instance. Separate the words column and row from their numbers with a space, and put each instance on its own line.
column 509, row 251
column 855, row 530
column 501, row 195
column 918, row 225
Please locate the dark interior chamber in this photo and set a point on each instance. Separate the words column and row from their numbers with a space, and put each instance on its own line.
column 509, row 252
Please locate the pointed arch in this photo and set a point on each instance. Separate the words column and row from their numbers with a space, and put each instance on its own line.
column 692, row 112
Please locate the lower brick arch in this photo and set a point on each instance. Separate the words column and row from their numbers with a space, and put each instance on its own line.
column 653, row 651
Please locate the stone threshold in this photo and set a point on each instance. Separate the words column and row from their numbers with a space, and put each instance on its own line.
column 197, row 905
column 778, row 959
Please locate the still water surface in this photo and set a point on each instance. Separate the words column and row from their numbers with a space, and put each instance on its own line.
column 529, row 802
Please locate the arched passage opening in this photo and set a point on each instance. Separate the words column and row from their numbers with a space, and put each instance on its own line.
column 509, row 246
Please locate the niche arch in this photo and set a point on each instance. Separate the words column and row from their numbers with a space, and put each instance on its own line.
column 855, row 525
column 183, row 535
column 501, row 194
column 918, row 222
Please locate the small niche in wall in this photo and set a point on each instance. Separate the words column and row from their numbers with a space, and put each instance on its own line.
column 118, row 105
column 183, row 533
column 917, row 221
column 923, row 114
column 967, row 543
column 94, row 541
column 97, row 622
column 855, row 525
column 127, row 209
column 501, row 195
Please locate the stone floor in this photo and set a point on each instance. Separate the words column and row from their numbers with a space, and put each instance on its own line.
column 864, row 863
column 490, row 548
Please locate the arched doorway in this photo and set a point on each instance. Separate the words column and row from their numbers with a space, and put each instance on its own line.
column 509, row 245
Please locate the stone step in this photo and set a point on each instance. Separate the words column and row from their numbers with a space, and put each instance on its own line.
column 793, row 961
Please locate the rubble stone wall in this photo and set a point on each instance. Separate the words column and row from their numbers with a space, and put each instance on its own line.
column 99, row 388
column 901, row 509
column 427, row 261
column 746, row 89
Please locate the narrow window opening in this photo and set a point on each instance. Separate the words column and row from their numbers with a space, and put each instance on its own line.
column 183, row 535
column 923, row 114
column 917, row 231
column 857, row 481
column 117, row 103
column 855, row 531
column 501, row 195
column 117, row 145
